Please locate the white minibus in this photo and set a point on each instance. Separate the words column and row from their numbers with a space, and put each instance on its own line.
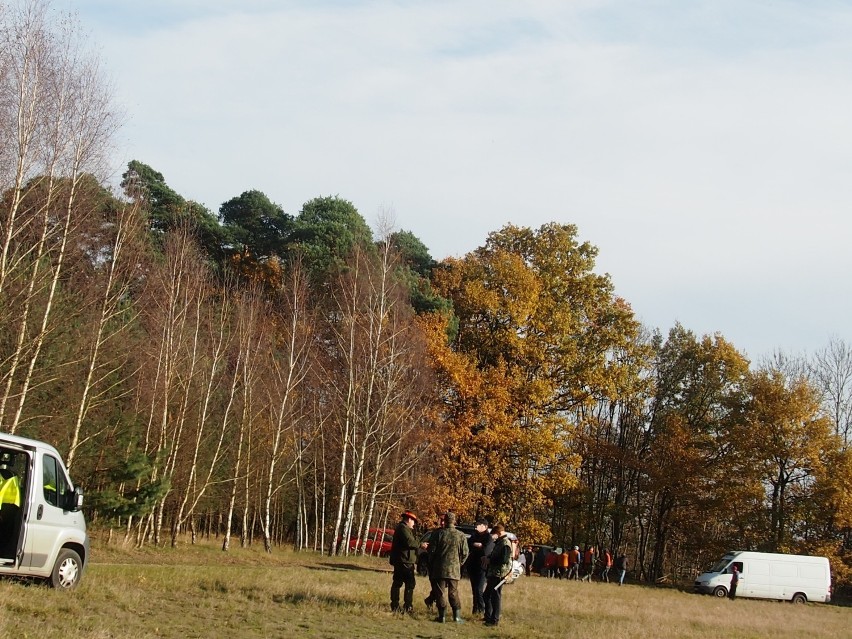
column 796, row 578
column 42, row 529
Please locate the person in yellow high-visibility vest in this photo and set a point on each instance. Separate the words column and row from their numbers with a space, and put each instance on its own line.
column 10, row 491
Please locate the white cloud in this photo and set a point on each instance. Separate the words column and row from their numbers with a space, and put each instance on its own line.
column 703, row 147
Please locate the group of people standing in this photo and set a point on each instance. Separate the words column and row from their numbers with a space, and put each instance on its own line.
column 576, row 564
column 487, row 556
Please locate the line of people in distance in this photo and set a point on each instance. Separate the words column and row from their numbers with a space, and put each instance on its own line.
column 576, row 564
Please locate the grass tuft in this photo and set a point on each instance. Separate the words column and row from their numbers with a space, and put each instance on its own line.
column 217, row 587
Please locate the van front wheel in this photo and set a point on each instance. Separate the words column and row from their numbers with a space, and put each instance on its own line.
column 799, row 598
column 720, row 592
column 67, row 570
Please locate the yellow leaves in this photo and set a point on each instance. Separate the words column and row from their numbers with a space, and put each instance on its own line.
column 539, row 334
column 532, row 530
column 785, row 420
column 269, row 272
column 834, row 487
column 677, row 458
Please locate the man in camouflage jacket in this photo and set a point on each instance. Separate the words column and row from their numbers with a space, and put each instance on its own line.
column 499, row 567
column 447, row 552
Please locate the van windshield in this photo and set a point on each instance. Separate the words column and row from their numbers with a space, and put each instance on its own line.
column 721, row 565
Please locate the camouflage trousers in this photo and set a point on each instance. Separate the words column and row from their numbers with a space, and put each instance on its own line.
column 447, row 589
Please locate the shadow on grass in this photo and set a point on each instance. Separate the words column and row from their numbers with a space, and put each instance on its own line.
column 252, row 593
column 299, row 598
column 25, row 581
column 346, row 567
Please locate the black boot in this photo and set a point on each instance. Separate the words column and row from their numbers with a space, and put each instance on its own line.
column 441, row 614
column 457, row 616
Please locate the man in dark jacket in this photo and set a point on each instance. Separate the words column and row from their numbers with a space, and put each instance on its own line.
column 480, row 545
column 499, row 567
column 403, row 558
column 621, row 567
column 447, row 552
column 538, row 561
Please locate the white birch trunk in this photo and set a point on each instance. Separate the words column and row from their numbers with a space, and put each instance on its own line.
column 218, row 341
column 115, row 290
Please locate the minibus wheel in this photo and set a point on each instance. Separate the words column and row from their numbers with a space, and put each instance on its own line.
column 799, row 598
column 720, row 591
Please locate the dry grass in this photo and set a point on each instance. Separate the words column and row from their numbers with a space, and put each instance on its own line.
column 201, row 592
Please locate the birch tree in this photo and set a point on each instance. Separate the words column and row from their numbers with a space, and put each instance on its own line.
column 57, row 117
column 172, row 313
column 396, row 398
column 213, row 418
column 251, row 327
column 24, row 64
column 344, row 331
column 112, row 320
column 831, row 371
column 290, row 367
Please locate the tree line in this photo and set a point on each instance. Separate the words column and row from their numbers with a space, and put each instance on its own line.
column 297, row 379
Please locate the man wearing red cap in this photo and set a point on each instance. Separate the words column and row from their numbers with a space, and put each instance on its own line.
column 403, row 558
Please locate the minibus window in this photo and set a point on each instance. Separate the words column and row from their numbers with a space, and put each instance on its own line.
column 55, row 486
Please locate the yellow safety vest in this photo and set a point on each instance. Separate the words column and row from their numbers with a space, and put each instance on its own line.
column 10, row 491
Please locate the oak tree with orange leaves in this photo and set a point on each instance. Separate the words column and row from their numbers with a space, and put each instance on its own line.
column 537, row 328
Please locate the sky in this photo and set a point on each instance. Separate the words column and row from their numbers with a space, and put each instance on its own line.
column 704, row 147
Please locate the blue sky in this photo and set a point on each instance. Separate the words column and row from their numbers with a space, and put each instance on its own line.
column 704, row 147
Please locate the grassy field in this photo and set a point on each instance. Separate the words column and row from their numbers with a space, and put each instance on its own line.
column 198, row 591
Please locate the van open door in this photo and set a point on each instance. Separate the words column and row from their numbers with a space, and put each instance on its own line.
column 15, row 470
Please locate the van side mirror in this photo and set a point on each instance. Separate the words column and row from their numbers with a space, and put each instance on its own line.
column 77, row 499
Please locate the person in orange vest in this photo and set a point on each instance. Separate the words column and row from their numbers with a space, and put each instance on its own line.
column 562, row 564
column 606, row 564
column 574, row 563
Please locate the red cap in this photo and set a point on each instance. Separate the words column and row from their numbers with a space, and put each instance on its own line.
column 410, row 515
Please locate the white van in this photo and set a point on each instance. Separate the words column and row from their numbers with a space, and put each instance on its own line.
column 796, row 578
column 42, row 529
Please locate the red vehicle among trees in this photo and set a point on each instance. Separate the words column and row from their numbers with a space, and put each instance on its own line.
column 377, row 542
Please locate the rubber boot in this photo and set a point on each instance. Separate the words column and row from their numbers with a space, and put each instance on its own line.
column 441, row 614
column 457, row 616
